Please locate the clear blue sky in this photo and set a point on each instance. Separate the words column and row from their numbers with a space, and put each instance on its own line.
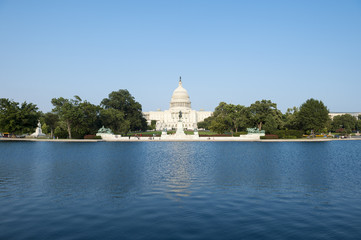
column 232, row 51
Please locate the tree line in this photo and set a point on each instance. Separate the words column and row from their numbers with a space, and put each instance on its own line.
column 74, row 118
column 311, row 117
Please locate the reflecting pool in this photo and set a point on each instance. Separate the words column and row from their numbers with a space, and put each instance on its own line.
column 180, row 190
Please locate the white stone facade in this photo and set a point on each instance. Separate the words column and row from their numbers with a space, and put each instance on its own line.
column 180, row 101
column 333, row 114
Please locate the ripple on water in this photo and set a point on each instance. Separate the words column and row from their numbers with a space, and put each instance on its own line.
column 180, row 190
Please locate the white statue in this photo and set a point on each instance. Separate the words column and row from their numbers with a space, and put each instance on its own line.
column 38, row 132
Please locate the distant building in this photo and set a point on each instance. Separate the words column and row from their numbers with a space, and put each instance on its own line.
column 180, row 101
column 333, row 114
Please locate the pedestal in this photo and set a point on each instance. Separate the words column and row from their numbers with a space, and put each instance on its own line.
column 180, row 131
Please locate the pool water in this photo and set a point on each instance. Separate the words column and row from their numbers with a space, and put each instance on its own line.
column 180, row 190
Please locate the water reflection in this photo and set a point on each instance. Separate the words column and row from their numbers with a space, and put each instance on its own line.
column 181, row 164
column 141, row 190
column 72, row 170
column 314, row 170
column 274, row 166
column 18, row 168
column 246, row 165
column 121, row 169
column 117, row 170
column 169, row 166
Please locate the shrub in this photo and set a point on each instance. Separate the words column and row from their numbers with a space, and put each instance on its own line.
column 289, row 133
column 269, row 136
column 92, row 137
column 290, row 137
column 236, row 134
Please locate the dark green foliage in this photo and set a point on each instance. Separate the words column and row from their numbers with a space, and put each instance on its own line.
column 120, row 112
column 263, row 114
column 266, row 111
column 60, row 132
column 92, row 137
column 153, row 124
column 269, row 136
column 237, row 134
column 358, row 125
column 114, row 119
column 89, row 121
column 68, row 112
column 18, row 119
column 288, row 133
column 51, row 120
column 346, row 122
column 228, row 117
column 79, row 118
column 219, row 125
column 28, row 117
column 270, row 124
column 8, row 116
column 206, row 123
column 125, row 103
column 313, row 115
column 290, row 119
column 290, row 137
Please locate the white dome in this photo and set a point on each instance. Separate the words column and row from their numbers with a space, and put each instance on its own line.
column 180, row 98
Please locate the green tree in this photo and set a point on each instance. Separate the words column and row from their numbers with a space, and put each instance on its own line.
column 220, row 121
column 80, row 117
column 206, row 123
column 260, row 111
column 313, row 115
column 8, row 115
column 290, row 119
column 271, row 124
column 240, row 116
column 60, row 130
column 123, row 101
column 89, row 122
column 51, row 120
column 358, row 125
column 236, row 116
column 346, row 121
column 228, row 117
column 115, row 120
column 153, row 124
column 219, row 125
column 68, row 111
column 28, row 117
column 18, row 119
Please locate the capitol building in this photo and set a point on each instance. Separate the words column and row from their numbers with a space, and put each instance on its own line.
column 180, row 102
